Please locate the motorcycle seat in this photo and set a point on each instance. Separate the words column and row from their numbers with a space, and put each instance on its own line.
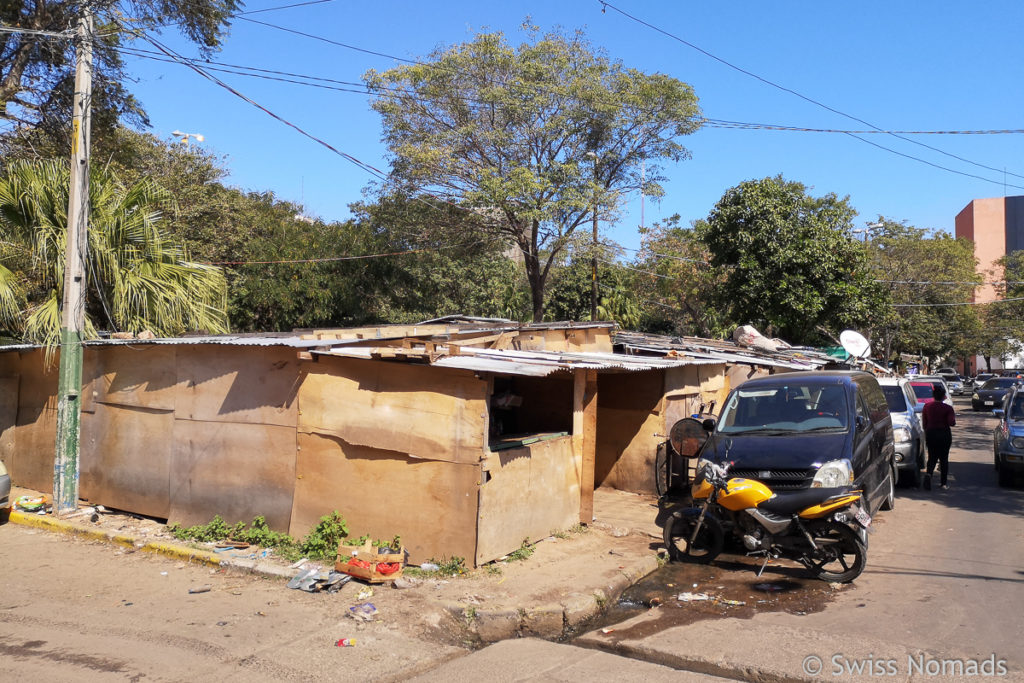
column 790, row 502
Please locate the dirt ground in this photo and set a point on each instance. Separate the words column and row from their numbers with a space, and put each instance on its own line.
column 255, row 623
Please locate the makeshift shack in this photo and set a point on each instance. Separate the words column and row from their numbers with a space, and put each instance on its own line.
column 464, row 438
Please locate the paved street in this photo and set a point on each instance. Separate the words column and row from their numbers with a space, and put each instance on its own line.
column 945, row 578
column 943, row 587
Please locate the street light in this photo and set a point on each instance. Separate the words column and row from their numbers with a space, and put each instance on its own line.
column 866, row 230
column 185, row 137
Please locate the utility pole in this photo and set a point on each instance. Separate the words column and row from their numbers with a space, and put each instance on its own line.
column 69, row 388
column 593, row 259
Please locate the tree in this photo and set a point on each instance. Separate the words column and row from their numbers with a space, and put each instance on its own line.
column 788, row 262
column 570, row 290
column 675, row 274
column 928, row 279
column 37, row 71
column 138, row 277
column 529, row 140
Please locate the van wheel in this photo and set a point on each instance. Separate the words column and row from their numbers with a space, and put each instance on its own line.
column 890, row 497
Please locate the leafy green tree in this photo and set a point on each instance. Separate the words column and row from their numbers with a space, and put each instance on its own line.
column 570, row 291
column 37, row 72
column 928, row 279
column 675, row 276
column 788, row 263
column 528, row 140
column 139, row 278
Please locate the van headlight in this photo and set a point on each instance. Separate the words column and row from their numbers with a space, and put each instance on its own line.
column 832, row 474
column 901, row 434
column 1017, row 442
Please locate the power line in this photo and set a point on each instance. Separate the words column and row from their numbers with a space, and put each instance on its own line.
column 606, row 5
column 743, row 125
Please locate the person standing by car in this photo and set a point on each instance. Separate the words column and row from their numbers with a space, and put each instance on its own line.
column 937, row 419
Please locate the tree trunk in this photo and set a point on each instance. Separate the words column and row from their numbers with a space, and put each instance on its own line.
column 536, row 289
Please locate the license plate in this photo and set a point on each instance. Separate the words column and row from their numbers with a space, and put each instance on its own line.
column 990, row 403
column 862, row 517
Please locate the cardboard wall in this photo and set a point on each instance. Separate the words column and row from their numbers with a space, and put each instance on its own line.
column 431, row 504
column 29, row 425
column 528, row 493
column 426, row 412
column 629, row 415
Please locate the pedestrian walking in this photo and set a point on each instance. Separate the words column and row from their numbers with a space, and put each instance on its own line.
column 937, row 419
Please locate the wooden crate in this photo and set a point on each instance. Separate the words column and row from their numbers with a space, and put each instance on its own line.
column 368, row 553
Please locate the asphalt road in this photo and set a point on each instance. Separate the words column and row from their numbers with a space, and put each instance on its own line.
column 944, row 586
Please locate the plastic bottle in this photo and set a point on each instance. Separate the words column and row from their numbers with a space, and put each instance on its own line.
column 346, row 642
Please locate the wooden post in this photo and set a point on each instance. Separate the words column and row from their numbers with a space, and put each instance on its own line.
column 589, row 447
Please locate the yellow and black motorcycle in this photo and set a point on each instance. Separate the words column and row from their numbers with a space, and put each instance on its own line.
column 822, row 528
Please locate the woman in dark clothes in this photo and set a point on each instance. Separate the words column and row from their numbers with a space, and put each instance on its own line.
column 937, row 418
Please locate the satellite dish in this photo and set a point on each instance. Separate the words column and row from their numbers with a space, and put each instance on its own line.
column 855, row 344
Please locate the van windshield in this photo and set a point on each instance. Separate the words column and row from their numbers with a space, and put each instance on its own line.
column 895, row 397
column 785, row 409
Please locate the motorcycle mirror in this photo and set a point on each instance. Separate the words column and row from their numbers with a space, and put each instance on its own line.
column 862, row 423
column 708, row 424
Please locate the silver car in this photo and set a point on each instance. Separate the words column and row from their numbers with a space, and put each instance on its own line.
column 5, row 488
column 906, row 428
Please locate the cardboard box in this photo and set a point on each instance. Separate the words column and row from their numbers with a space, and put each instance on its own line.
column 372, row 555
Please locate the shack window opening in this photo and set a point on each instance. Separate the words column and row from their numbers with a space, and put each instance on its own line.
column 525, row 409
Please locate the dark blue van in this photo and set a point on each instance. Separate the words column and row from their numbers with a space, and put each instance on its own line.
column 796, row 430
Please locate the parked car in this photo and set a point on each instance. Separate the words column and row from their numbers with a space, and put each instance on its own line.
column 954, row 382
column 924, row 388
column 991, row 394
column 801, row 430
column 5, row 489
column 979, row 379
column 908, row 434
column 1008, row 437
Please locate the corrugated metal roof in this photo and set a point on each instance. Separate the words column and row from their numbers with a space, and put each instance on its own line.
column 533, row 363
column 722, row 351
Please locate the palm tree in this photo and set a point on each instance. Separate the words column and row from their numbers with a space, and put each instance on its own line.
column 139, row 277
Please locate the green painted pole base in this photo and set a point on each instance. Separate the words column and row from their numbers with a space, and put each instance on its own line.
column 69, row 418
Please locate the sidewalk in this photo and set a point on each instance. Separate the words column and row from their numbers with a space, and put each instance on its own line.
column 552, row 594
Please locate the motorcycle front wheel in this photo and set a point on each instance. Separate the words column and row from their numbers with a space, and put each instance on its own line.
column 679, row 530
column 841, row 555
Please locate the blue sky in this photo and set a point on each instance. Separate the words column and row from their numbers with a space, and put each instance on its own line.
column 898, row 66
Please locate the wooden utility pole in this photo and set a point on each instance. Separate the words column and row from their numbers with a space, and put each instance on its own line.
column 69, row 388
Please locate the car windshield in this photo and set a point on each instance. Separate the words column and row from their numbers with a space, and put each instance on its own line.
column 1017, row 407
column 895, row 398
column 785, row 409
column 999, row 383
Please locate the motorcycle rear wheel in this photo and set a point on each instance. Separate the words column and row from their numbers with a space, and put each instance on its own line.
column 841, row 555
column 679, row 529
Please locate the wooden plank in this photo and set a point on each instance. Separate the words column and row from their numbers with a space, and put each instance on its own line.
column 9, row 414
column 589, row 447
column 126, row 458
column 432, row 505
column 235, row 470
column 251, row 384
column 529, row 492
column 424, row 411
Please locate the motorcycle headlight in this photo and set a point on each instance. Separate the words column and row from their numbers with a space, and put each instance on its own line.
column 832, row 474
column 1017, row 442
column 901, row 434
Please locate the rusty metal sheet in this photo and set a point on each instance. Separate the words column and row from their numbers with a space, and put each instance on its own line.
column 126, row 457
column 235, row 470
column 254, row 384
column 432, row 505
column 35, row 428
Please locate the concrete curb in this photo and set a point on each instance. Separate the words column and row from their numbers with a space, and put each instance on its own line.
column 171, row 550
column 550, row 621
